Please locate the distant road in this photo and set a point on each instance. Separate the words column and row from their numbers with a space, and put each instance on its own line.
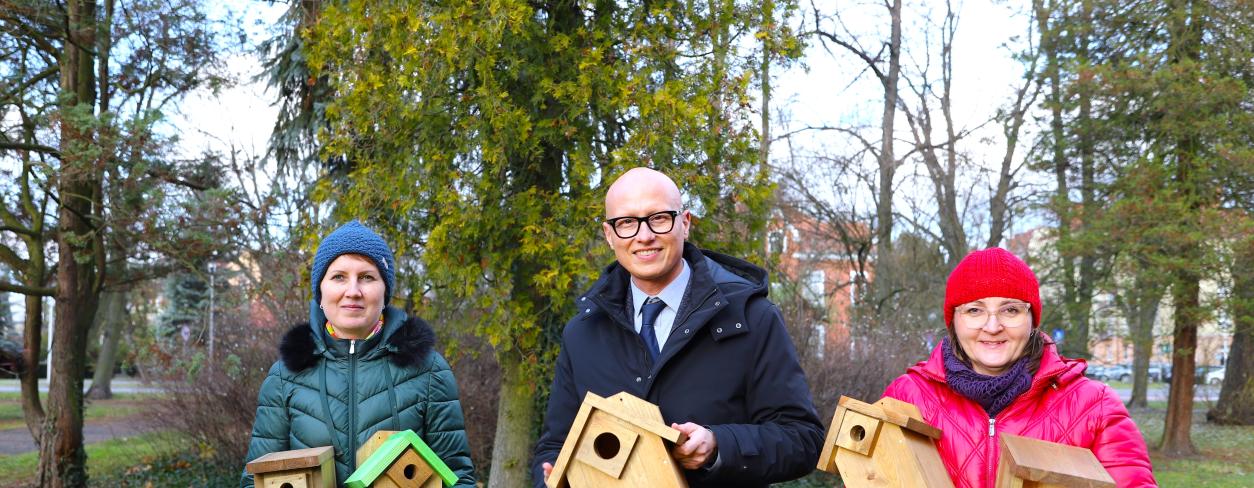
column 119, row 385
column 1158, row 392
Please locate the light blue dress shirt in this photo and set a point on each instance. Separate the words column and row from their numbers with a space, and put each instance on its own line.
column 672, row 295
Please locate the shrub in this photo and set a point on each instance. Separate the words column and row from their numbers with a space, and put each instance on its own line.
column 478, row 383
column 213, row 401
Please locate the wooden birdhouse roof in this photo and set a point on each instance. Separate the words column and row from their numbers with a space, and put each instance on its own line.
column 624, row 406
column 1048, row 462
column 378, row 463
column 286, row 460
column 893, row 411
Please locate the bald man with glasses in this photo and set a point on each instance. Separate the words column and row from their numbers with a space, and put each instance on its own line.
column 693, row 332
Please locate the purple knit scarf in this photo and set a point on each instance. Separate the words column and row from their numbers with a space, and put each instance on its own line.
column 994, row 393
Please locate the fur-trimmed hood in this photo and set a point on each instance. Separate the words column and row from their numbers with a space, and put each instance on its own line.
column 407, row 345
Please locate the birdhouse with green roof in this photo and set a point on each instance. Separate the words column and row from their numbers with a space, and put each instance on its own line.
column 300, row 468
column 882, row 444
column 620, row 441
column 392, row 459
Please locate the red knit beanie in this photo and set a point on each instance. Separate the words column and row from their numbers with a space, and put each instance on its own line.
column 993, row 272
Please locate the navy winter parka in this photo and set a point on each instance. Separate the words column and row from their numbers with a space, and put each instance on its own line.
column 728, row 365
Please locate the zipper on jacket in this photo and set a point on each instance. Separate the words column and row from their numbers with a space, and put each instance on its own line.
column 352, row 401
column 991, row 450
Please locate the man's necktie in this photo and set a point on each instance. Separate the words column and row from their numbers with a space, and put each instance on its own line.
column 652, row 307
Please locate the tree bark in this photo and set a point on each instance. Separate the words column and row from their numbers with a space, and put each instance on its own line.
column 28, row 374
column 1236, row 396
column 768, row 49
column 511, row 449
column 1140, row 306
column 112, row 316
column 62, row 459
column 1184, row 52
column 1177, row 431
column 885, row 282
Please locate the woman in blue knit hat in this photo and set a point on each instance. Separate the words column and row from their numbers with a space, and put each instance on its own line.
column 358, row 366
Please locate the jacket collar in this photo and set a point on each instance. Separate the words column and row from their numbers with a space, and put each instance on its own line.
column 717, row 281
column 406, row 341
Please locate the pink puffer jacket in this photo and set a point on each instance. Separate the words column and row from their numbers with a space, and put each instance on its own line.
column 1061, row 406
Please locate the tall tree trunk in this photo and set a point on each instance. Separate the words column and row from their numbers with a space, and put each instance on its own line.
column 1025, row 100
column 516, row 409
column 28, row 372
column 1184, row 53
column 1141, row 308
column 1177, row 432
column 62, row 460
column 1236, row 396
column 511, row 447
column 885, row 282
column 768, row 48
column 112, row 317
column 35, row 274
column 1052, row 46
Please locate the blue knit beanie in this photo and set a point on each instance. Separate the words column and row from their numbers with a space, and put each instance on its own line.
column 354, row 238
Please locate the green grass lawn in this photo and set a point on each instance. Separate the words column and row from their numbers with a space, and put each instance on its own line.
column 117, row 407
column 1226, row 458
column 115, row 456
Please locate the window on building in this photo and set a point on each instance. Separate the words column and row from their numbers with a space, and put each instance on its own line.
column 775, row 241
column 815, row 290
column 820, row 340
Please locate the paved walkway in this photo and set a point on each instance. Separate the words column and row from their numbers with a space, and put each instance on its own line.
column 119, row 385
column 18, row 440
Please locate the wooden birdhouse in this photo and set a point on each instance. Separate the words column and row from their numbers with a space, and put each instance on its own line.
column 391, row 459
column 882, row 444
column 301, row 468
column 1033, row 463
column 620, row 441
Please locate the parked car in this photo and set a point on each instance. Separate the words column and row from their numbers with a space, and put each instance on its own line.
column 1119, row 372
column 1116, row 372
column 1215, row 377
column 1201, row 372
column 1204, row 371
column 1160, row 372
column 1095, row 371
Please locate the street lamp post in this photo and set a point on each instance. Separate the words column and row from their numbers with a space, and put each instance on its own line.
column 212, row 267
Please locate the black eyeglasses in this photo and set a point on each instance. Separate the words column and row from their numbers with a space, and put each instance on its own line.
column 659, row 223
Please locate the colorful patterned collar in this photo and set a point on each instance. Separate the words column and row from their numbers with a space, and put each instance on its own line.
column 377, row 327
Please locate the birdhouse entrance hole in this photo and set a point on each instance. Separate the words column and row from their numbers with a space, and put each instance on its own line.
column 285, row 485
column 858, row 433
column 410, row 471
column 606, row 445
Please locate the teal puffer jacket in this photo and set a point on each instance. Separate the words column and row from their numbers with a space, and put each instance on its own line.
column 392, row 381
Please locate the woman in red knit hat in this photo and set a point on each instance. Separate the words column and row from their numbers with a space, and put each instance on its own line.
column 997, row 373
